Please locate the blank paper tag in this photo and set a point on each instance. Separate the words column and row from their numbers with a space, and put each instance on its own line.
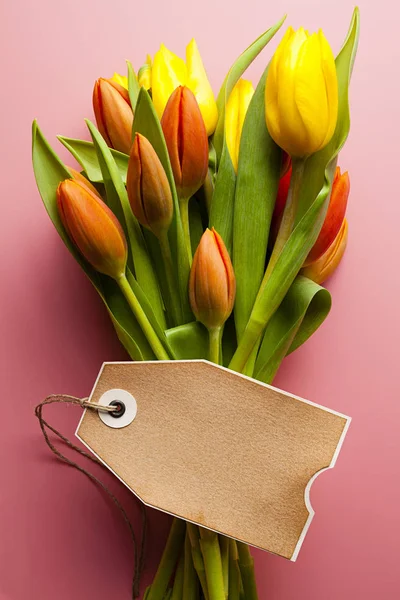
column 216, row 448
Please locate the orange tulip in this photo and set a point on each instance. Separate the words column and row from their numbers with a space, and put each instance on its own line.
column 187, row 142
column 334, row 216
column 82, row 179
column 212, row 283
column 148, row 188
column 92, row 227
column 113, row 112
column 327, row 264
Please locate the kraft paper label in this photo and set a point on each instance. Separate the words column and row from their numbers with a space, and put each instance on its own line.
column 216, row 448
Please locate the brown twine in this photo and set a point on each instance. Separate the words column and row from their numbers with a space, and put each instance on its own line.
column 84, row 403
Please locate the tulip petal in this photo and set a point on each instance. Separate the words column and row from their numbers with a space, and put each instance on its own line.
column 330, row 75
column 235, row 114
column 169, row 71
column 122, row 80
column 198, row 82
column 117, row 116
column 324, row 267
column 310, row 94
column 193, row 148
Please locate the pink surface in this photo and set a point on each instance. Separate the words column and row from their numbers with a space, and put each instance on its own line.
column 57, row 531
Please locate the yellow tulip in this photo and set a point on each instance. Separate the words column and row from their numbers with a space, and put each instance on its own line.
column 169, row 72
column 121, row 79
column 235, row 114
column 301, row 93
column 145, row 74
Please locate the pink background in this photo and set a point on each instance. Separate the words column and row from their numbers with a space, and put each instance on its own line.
column 57, row 531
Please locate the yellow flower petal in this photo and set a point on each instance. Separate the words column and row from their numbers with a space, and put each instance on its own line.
column 197, row 81
column 121, row 79
column 169, row 72
column 235, row 114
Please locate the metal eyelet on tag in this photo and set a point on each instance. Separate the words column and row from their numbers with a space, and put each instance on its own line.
column 125, row 408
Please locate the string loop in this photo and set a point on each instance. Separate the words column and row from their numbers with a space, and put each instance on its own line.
column 139, row 554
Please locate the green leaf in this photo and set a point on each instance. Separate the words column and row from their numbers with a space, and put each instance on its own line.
column 133, row 85
column 49, row 172
column 190, row 341
column 233, row 76
column 148, row 124
column 256, row 189
column 117, row 198
column 222, row 206
column 85, row 153
column 303, row 310
column 315, row 166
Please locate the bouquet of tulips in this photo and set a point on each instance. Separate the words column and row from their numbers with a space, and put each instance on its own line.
column 207, row 227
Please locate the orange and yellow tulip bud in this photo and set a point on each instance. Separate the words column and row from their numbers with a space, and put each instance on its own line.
column 334, row 216
column 187, row 142
column 324, row 267
column 82, row 179
column 113, row 112
column 301, row 93
column 212, row 283
column 92, row 227
column 169, row 72
column 145, row 74
column 148, row 188
column 235, row 113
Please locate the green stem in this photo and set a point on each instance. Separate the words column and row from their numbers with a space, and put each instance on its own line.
column 184, row 208
column 168, row 561
column 142, row 319
column 289, row 214
column 211, row 551
column 224, row 545
column 190, row 581
column 177, row 590
column 176, row 309
column 246, row 564
column 198, row 562
column 215, row 337
column 234, row 571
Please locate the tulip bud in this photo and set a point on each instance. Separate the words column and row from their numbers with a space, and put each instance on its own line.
column 187, row 142
column 148, row 188
column 212, row 284
column 145, row 74
column 92, row 227
column 301, row 93
column 122, row 80
column 235, row 114
column 325, row 266
column 113, row 112
column 334, row 216
column 82, row 179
